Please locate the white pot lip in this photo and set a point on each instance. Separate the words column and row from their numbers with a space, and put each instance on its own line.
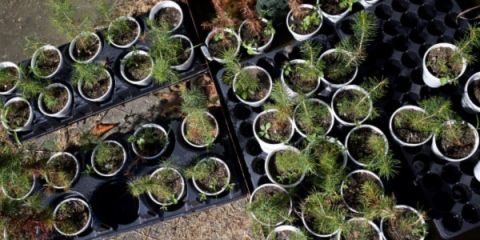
column 269, row 89
column 475, row 133
column 166, row 4
column 87, row 225
column 334, row 15
column 302, row 216
column 74, row 41
column 269, row 175
column 443, row 45
column 345, row 88
column 184, row 122
column 182, row 192
column 473, row 78
column 131, row 54
column 119, row 169
column 374, row 226
column 77, row 172
column 35, row 56
column 390, row 126
column 223, row 188
column 295, row 62
column 275, row 186
column 136, row 37
column 214, row 31
column 375, row 176
column 7, row 64
column 422, row 220
column 264, row 20
column 332, row 118
column 333, row 140
column 263, row 113
column 67, row 105
column 150, row 125
column 309, row 6
column 282, row 228
column 30, row 116
column 24, row 196
column 331, row 51
column 191, row 47
column 373, row 128
column 80, row 85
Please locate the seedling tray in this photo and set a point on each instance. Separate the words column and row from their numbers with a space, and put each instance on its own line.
column 406, row 30
column 114, row 211
column 122, row 90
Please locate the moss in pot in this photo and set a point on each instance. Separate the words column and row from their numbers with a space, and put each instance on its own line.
column 313, row 117
column 288, row 166
column 149, row 141
column 92, row 79
column 403, row 222
column 60, row 171
column 304, row 20
column 270, row 205
column 257, row 32
column 9, row 77
column 72, row 216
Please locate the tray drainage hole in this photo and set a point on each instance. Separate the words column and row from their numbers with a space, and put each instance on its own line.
column 444, row 5
column 253, row 148
column 409, row 19
column 416, row 77
column 402, row 84
column 467, row 167
column 436, row 27
column 384, row 50
column 346, row 27
column 258, row 165
column 432, row 182
column 475, row 186
column 400, row 5
column 246, row 129
column 231, row 96
column 401, row 43
column 263, row 180
column 393, row 67
column 442, row 201
column 471, row 213
column 452, row 222
column 383, row 11
column 411, row 59
column 241, row 112
column 461, row 193
column 451, row 174
column 421, row 163
column 427, row 12
column 391, row 27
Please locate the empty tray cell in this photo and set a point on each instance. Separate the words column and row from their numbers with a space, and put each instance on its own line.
column 427, row 12
column 400, row 5
column 442, row 201
column 391, row 27
column 452, row 221
column 451, row 174
column 409, row 19
column 461, row 193
column 432, row 182
column 421, row 163
column 444, row 5
column 258, row 165
column 411, row 60
column 471, row 213
column 436, row 27
column 383, row 11
column 242, row 112
column 253, row 148
column 467, row 166
column 246, row 129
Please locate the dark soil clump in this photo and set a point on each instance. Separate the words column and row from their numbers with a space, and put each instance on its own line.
column 216, row 180
column 257, row 40
column 61, row 96
column 48, row 62
column 279, row 130
column 332, row 7
column 73, row 214
column 17, row 117
column 297, row 22
column 406, row 132
column 168, row 15
column 474, row 92
column 140, row 70
column 12, row 77
column 217, row 48
column 442, row 55
column 352, row 193
column 458, row 147
column 86, row 50
column 264, row 85
column 99, row 88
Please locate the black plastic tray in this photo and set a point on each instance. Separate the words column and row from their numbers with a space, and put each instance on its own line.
column 122, row 92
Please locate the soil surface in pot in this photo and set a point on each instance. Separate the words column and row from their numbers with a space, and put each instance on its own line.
column 276, row 172
column 112, row 162
column 139, row 68
column 48, row 62
column 257, row 39
column 332, row 7
column 151, row 148
column 265, row 194
column 331, row 73
column 279, row 130
column 217, row 48
column 9, row 76
column 171, row 180
column 72, row 216
column 264, row 85
column 200, row 135
column 296, row 22
column 168, row 15
column 61, row 170
column 351, row 97
column 217, row 179
column 99, row 88
column 353, row 193
column 17, row 115
column 128, row 35
column 60, row 94
column 438, row 59
column 311, row 120
column 298, row 83
column 360, row 230
column 85, row 49
column 404, row 129
column 458, row 147
column 393, row 231
column 183, row 56
column 358, row 144
column 474, row 92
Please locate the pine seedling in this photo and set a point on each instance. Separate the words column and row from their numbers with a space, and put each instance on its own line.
column 148, row 136
column 105, row 12
column 293, row 164
column 141, row 62
column 49, row 98
column 204, row 171
column 247, row 83
column 31, row 86
column 30, row 45
column 282, row 102
column 59, row 173
column 270, row 208
column 119, row 26
column 403, row 223
column 107, row 154
column 88, row 74
column 156, row 185
column 309, row 113
column 327, row 213
column 255, row 26
column 221, row 21
column 358, row 230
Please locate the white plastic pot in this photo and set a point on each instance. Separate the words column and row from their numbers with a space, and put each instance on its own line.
column 187, row 64
column 440, row 155
column 178, row 197
column 302, row 37
column 77, row 172
column 261, row 101
column 219, row 161
column 270, row 147
column 24, row 196
column 290, row 92
column 119, row 169
column 71, row 48
column 334, row 18
column 374, row 129
column 193, row 144
column 210, row 36
column 422, row 221
column 287, row 228
column 476, row 171
column 302, row 216
column 33, row 63
column 269, row 174
column 380, row 235
column 87, row 225
column 4, row 65
column 142, row 82
column 275, row 186
column 428, row 77
column 260, row 50
column 332, row 118
column 150, row 125
column 397, row 139
column 139, row 32
column 332, row 86
column 357, row 172
column 467, row 102
column 166, row 4
column 102, row 98
column 66, row 110
column 351, row 87
column 28, row 124
column 368, row 3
